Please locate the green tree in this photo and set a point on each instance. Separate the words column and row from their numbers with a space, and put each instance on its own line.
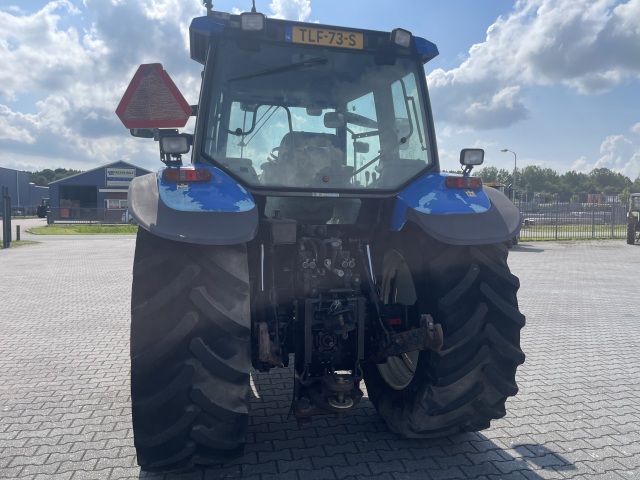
column 608, row 181
column 492, row 174
column 488, row 174
column 38, row 179
column 624, row 196
column 44, row 177
column 534, row 179
column 575, row 182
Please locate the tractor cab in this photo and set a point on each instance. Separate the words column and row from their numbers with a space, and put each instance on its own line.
column 633, row 219
column 299, row 107
column 43, row 207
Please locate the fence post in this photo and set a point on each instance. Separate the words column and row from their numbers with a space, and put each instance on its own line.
column 17, row 233
column 557, row 215
column 6, row 217
column 613, row 212
column 593, row 221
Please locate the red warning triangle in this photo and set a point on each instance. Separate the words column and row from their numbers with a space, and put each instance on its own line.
column 153, row 101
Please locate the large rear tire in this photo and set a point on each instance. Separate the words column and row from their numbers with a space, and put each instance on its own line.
column 631, row 234
column 472, row 294
column 190, row 353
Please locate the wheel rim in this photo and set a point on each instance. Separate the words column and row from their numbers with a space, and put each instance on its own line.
column 398, row 287
column 399, row 371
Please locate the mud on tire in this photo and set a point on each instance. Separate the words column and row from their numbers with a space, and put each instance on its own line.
column 472, row 294
column 190, row 353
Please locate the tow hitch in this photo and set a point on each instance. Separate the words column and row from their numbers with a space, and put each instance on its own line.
column 427, row 337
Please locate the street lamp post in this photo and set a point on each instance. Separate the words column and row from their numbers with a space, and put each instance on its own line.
column 515, row 159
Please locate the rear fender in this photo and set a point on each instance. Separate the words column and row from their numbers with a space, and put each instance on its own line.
column 220, row 212
column 456, row 216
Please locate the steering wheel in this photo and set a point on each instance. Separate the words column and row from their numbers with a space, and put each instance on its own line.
column 274, row 154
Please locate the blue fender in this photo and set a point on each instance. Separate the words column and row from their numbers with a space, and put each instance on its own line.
column 219, row 212
column 456, row 216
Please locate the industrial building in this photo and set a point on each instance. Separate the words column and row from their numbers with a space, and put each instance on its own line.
column 99, row 194
column 25, row 196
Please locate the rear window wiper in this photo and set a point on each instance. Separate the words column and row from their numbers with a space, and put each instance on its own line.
column 284, row 68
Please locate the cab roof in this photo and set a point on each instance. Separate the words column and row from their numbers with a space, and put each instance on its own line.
column 204, row 30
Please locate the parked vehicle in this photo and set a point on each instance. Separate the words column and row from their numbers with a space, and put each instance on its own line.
column 43, row 208
column 314, row 226
column 633, row 219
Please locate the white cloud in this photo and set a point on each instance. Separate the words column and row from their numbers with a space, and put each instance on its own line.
column 13, row 128
column 589, row 46
column 611, row 151
column 59, row 133
column 299, row 10
column 499, row 110
column 617, row 153
column 71, row 79
column 74, row 76
column 41, row 56
column 581, row 165
column 70, row 63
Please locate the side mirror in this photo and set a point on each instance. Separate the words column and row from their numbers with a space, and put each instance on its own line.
column 175, row 144
column 142, row 132
column 361, row 147
column 403, row 126
column 333, row 120
column 471, row 157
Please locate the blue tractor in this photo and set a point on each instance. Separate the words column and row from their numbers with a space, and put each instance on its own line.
column 313, row 225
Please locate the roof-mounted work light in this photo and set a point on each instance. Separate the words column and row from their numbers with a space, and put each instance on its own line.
column 252, row 21
column 175, row 144
column 401, row 38
column 471, row 157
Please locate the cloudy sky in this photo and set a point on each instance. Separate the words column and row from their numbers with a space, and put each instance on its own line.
column 556, row 81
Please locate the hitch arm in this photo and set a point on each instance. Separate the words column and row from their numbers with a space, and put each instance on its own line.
column 428, row 337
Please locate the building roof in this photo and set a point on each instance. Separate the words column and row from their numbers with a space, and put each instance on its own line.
column 119, row 162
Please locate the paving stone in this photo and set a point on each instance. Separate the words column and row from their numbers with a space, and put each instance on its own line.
column 92, row 474
column 352, row 470
column 333, row 460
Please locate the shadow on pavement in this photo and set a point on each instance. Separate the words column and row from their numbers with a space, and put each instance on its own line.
column 360, row 445
column 523, row 247
column 543, row 457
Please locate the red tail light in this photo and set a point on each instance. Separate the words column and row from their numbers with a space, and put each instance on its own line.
column 468, row 183
column 186, row 175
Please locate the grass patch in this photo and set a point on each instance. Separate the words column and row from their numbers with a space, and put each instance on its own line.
column 84, row 230
column 20, row 243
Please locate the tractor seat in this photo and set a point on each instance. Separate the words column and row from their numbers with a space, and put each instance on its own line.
column 310, row 152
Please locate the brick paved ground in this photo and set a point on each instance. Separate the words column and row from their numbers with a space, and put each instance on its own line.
column 64, row 379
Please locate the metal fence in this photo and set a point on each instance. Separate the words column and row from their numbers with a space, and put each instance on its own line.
column 566, row 218
column 562, row 218
column 80, row 215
